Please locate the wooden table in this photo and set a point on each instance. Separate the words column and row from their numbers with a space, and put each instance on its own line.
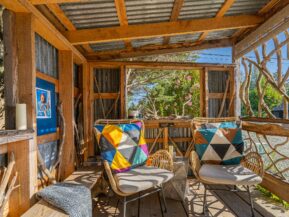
column 177, row 188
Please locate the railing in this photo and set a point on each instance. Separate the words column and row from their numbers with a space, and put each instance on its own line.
column 268, row 137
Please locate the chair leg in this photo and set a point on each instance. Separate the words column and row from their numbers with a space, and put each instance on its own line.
column 160, row 203
column 251, row 201
column 138, row 209
column 124, row 207
column 185, row 209
column 205, row 200
column 164, row 199
column 116, row 208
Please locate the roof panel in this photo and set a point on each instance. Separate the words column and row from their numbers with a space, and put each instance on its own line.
column 246, row 7
column 117, row 45
column 184, row 38
column 220, row 34
column 148, row 41
column 193, row 9
column 92, row 14
column 148, row 11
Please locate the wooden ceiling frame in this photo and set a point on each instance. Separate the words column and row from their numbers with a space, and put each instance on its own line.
column 122, row 17
column 261, row 12
column 158, row 49
column 178, row 4
column 141, row 31
column 41, row 2
column 58, row 12
column 225, row 7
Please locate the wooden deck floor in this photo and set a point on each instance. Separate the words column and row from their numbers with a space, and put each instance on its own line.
column 221, row 204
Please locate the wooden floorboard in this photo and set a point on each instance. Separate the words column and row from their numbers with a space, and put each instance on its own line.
column 221, row 204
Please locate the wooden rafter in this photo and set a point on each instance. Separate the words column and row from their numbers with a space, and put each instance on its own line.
column 160, row 29
column 58, row 12
column 122, row 17
column 158, row 49
column 174, row 15
column 225, row 7
column 41, row 2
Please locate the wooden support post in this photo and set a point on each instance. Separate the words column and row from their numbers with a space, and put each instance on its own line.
column 122, row 91
column 237, row 80
column 21, row 54
column 91, row 111
column 86, row 105
column 10, row 65
column 206, row 92
column 66, row 96
column 166, row 138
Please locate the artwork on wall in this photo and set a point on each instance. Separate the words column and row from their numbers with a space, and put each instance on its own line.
column 45, row 107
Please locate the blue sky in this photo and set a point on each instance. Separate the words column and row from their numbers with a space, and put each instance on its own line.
column 218, row 55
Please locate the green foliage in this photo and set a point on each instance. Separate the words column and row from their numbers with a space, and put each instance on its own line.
column 274, row 197
column 162, row 93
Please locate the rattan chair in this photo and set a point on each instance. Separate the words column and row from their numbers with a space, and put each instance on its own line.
column 160, row 162
column 234, row 174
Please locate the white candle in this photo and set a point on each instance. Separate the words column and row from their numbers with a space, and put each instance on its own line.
column 21, row 119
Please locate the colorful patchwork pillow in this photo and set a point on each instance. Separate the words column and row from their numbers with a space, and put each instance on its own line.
column 219, row 143
column 122, row 145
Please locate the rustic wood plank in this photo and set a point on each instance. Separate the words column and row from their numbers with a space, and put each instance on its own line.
column 20, row 198
column 66, row 96
column 160, row 29
column 48, row 137
column 105, row 96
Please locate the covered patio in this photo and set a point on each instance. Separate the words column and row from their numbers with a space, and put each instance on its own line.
column 77, row 54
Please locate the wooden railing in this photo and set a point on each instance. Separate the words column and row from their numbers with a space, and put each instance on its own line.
column 269, row 137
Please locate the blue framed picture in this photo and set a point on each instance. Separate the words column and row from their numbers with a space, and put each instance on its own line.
column 45, row 107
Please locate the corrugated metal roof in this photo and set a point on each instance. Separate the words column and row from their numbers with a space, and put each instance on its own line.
column 193, row 9
column 184, row 38
column 220, row 34
column 147, row 41
column 92, row 14
column 246, row 7
column 148, row 11
column 117, row 45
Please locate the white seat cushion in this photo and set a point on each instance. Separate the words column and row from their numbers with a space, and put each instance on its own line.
column 228, row 175
column 141, row 178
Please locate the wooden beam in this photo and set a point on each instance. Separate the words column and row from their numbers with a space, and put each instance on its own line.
column 160, row 29
column 10, row 65
column 159, row 65
column 122, row 17
column 225, row 7
column 86, row 106
column 273, row 26
column 174, row 15
column 66, row 96
column 270, row 182
column 157, row 49
column 262, row 11
column 105, row 96
column 43, row 27
column 268, row 7
column 58, row 12
column 40, row 2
